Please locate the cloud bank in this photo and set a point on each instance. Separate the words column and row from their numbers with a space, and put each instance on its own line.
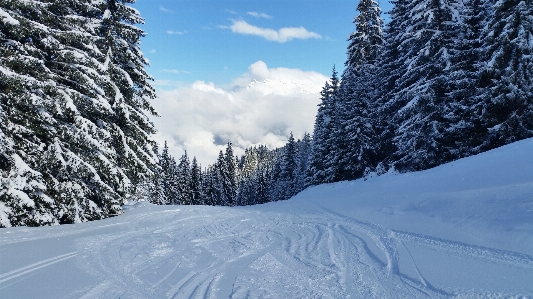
column 260, row 107
column 281, row 36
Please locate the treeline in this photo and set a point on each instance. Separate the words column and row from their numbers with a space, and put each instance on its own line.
column 259, row 176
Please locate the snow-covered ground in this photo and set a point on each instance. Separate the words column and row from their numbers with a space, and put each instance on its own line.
column 461, row 230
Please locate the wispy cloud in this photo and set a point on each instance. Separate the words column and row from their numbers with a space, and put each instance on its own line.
column 231, row 11
column 168, row 83
column 161, row 8
column 259, row 15
column 172, row 32
column 174, row 71
column 281, row 36
column 152, row 51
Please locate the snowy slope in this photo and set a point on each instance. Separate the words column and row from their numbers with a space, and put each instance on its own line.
column 461, row 230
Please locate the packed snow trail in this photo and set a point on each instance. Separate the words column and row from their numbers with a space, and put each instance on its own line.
column 462, row 230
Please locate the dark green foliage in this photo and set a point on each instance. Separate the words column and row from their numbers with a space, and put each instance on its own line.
column 322, row 164
column 506, row 80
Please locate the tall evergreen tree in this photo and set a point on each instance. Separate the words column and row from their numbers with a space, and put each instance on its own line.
column 419, row 106
column 304, row 154
column 366, row 40
column 171, row 182
column 183, row 180
column 196, row 183
column 221, row 181
column 54, row 70
column 262, row 187
column 128, row 89
column 26, row 94
column 355, row 134
column 156, row 194
column 391, row 69
column 321, row 169
column 230, row 183
column 170, row 174
column 464, row 87
column 507, row 73
column 285, row 185
column 211, row 191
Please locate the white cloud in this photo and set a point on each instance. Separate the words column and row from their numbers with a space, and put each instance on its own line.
column 231, row 11
column 161, row 8
column 152, row 51
column 282, row 35
column 260, row 107
column 259, row 15
column 174, row 71
column 167, row 83
column 172, row 32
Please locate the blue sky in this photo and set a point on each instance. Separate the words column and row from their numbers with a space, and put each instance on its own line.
column 191, row 40
column 247, row 72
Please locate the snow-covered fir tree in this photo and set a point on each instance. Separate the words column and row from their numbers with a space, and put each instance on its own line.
column 183, row 180
column 355, row 134
column 156, row 184
column 211, row 191
column 219, row 172
column 169, row 176
column 73, row 96
column 230, row 175
column 419, row 104
column 321, row 166
column 506, row 83
column 196, row 183
column 466, row 103
column 367, row 39
column 262, row 194
column 304, row 154
column 254, row 176
column 284, row 184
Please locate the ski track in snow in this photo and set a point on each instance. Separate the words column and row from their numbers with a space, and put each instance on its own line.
column 34, row 267
column 270, row 255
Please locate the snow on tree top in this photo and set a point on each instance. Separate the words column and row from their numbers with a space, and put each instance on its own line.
column 8, row 19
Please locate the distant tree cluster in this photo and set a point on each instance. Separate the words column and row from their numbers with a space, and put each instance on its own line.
column 74, row 138
column 259, row 176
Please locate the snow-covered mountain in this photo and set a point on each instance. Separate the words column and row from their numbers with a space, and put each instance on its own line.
column 460, row 230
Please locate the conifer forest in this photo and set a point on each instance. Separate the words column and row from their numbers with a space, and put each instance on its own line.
column 441, row 80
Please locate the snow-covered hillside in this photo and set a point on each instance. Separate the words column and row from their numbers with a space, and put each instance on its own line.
column 461, row 230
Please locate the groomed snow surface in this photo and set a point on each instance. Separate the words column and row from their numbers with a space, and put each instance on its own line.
column 461, row 230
